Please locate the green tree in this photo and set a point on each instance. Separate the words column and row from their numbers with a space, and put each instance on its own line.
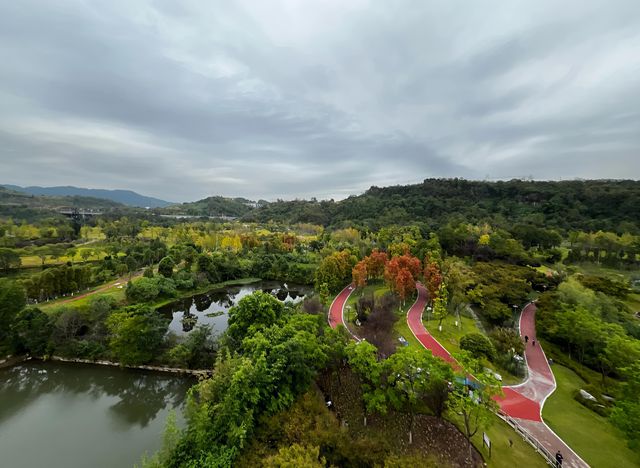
column 478, row 345
column 409, row 374
column 143, row 289
column 12, row 301
column 362, row 357
column 31, row 331
column 323, row 292
column 256, row 311
column 9, row 259
column 474, row 403
column 440, row 305
column 335, row 270
column 165, row 267
column 626, row 413
column 136, row 334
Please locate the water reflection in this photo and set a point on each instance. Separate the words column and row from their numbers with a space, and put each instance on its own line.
column 136, row 397
column 212, row 307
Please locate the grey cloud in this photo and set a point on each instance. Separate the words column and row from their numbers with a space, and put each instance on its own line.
column 187, row 99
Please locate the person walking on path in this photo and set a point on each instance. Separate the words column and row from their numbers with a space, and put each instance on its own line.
column 526, row 339
column 559, row 458
column 533, row 342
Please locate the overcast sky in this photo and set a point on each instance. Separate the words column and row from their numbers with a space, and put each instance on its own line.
column 185, row 99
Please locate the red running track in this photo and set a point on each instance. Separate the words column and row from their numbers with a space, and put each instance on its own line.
column 336, row 310
column 414, row 320
column 521, row 403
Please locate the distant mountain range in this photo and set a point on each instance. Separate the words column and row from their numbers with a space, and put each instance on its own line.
column 126, row 197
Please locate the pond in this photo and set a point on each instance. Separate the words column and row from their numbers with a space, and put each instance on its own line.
column 74, row 415
column 212, row 308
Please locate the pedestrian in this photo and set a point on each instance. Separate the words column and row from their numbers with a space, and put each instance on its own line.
column 533, row 342
column 510, row 443
column 526, row 339
column 559, row 458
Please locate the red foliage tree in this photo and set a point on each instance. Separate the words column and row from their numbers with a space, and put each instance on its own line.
column 376, row 263
column 405, row 283
column 401, row 273
column 359, row 274
column 432, row 278
column 411, row 263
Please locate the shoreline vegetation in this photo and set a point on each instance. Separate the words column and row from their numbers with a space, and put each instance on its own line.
column 17, row 360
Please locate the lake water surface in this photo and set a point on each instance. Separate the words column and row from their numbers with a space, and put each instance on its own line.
column 77, row 416
column 212, row 308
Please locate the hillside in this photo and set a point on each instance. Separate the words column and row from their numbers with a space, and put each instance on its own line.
column 588, row 205
column 22, row 206
column 212, row 206
column 125, row 197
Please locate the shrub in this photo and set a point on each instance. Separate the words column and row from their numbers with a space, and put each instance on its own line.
column 478, row 344
column 165, row 267
column 143, row 290
column 364, row 306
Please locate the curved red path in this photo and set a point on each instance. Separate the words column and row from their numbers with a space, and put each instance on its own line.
column 336, row 310
column 521, row 403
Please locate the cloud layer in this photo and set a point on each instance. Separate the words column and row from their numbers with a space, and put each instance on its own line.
column 286, row 99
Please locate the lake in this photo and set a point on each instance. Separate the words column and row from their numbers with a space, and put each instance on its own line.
column 212, row 308
column 73, row 415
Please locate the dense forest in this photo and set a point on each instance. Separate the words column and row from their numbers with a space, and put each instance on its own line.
column 585, row 205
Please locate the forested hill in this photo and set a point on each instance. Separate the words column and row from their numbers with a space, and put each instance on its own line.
column 212, row 206
column 125, row 197
column 11, row 198
column 21, row 206
column 586, row 205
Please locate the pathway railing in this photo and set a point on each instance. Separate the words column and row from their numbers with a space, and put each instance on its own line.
column 526, row 435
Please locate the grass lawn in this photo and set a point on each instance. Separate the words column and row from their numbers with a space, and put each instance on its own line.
column 114, row 291
column 450, row 336
column 520, row 454
column 29, row 261
column 593, row 437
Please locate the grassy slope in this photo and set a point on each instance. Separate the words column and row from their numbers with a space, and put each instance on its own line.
column 589, row 434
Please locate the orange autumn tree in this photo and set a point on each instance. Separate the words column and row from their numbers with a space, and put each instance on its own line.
column 405, row 284
column 401, row 274
column 376, row 262
column 432, row 278
column 359, row 274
